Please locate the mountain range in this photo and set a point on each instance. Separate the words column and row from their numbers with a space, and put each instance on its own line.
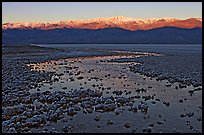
column 106, row 30
column 112, row 22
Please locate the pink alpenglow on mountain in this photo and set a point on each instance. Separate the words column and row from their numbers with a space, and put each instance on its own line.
column 112, row 22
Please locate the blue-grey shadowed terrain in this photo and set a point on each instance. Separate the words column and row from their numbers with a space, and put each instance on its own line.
column 164, row 35
column 158, row 48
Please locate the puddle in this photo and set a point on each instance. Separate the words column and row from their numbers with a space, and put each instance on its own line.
column 97, row 74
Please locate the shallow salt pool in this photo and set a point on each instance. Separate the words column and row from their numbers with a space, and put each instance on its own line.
column 93, row 73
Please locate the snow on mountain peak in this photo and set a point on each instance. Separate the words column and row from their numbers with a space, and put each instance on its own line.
column 107, row 22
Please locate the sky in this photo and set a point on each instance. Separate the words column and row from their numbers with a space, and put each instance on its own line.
column 59, row 11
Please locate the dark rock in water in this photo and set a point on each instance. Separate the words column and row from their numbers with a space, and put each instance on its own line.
column 142, row 106
column 147, row 97
column 128, row 92
column 129, row 109
column 53, row 117
column 78, row 73
column 61, row 74
column 157, row 99
column 105, row 107
column 80, row 77
column 26, row 129
column 121, row 100
column 109, row 101
column 6, row 123
column 28, row 100
column 37, row 118
column 64, row 88
column 149, row 87
column 89, row 110
column 199, row 119
column 181, row 101
column 129, row 103
column 120, row 77
column 71, row 112
column 134, row 108
column 38, row 89
column 140, row 90
column 13, row 119
column 172, row 80
column 64, row 120
column 46, row 130
column 176, row 87
column 153, row 102
column 84, row 111
column 197, row 89
column 159, row 123
column 191, row 91
column 117, row 112
column 166, row 103
column 66, row 129
column 53, row 130
column 148, row 130
column 97, row 118
column 56, row 79
column 110, row 122
column 168, row 85
column 190, row 114
column 137, row 97
column 117, row 92
column 127, row 125
column 86, row 104
column 182, row 86
column 151, row 125
column 18, row 125
column 77, row 108
column 161, row 77
column 70, row 73
column 46, row 93
column 196, row 84
column 109, row 107
column 12, row 130
column 71, row 79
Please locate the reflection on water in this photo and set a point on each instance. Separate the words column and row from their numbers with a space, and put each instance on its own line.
column 99, row 74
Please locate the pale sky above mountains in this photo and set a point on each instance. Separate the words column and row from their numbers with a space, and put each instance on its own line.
column 59, row 11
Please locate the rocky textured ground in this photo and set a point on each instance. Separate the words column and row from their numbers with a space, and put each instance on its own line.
column 18, row 79
column 54, row 94
column 176, row 67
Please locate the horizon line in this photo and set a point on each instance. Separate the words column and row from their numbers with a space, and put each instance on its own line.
column 106, row 18
column 104, row 28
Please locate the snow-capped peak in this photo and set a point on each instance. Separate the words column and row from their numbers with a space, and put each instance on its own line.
column 106, row 22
